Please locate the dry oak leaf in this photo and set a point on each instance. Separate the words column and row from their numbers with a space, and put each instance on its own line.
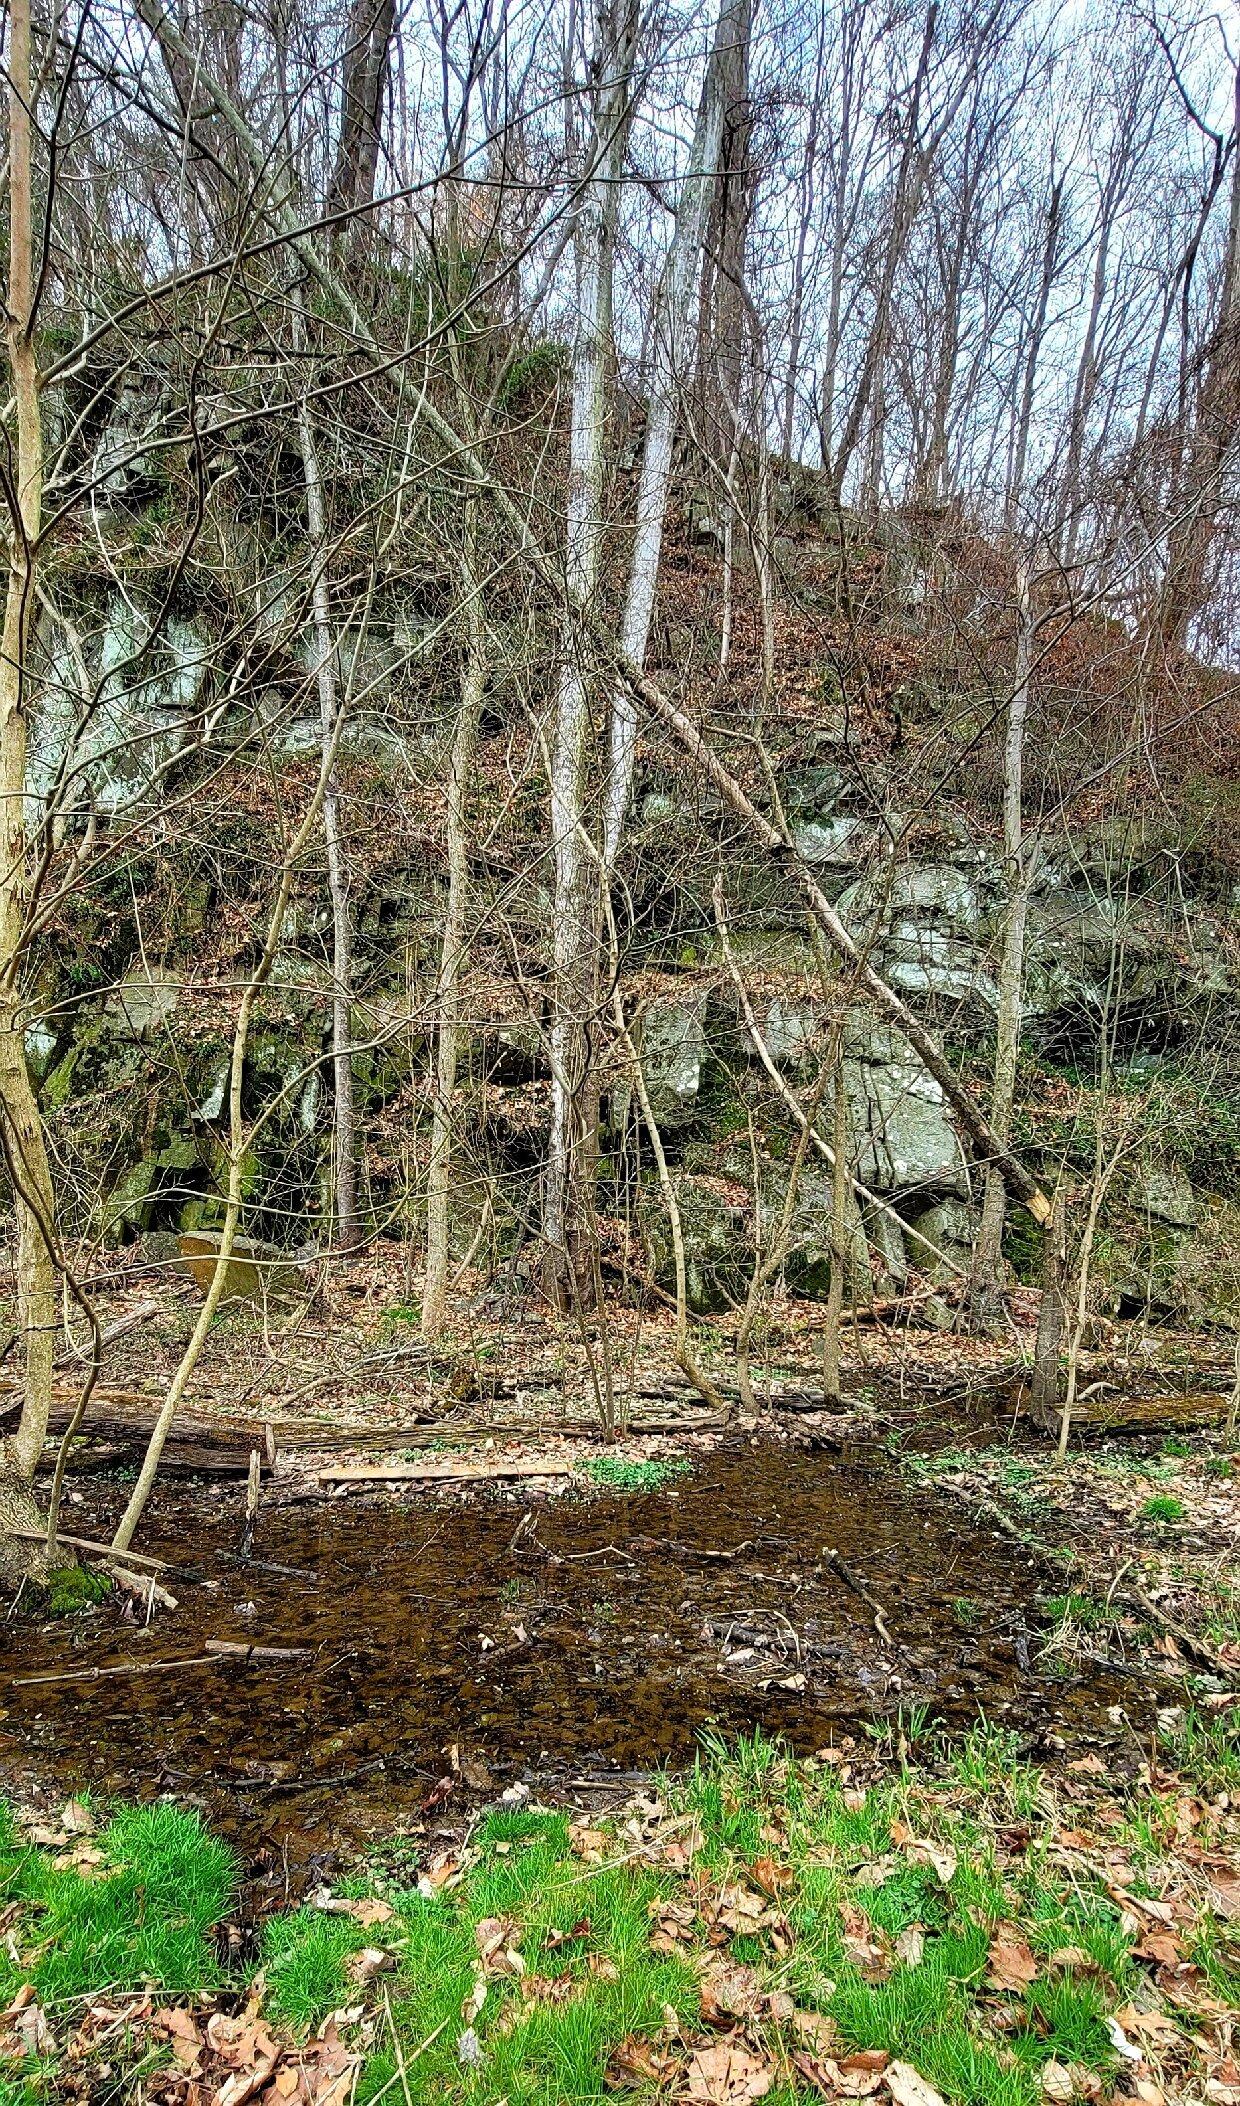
column 634, row 2061
column 671, row 1924
column 738, row 1912
column 1057, row 2083
column 1071, row 1959
column 816, row 2030
column 495, row 1937
column 870, row 1958
column 33, row 2031
column 76, row 1818
column 588, row 1843
column 910, row 1945
column 548, row 1988
column 909, row 2088
column 861, row 2074
column 726, row 2075
column 769, row 1876
column 729, row 1991
column 1151, row 2023
column 939, row 1856
column 362, row 1967
column 1163, row 1947
column 368, row 1912
column 183, row 2035
column 820, row 2074
column 1012, row 1965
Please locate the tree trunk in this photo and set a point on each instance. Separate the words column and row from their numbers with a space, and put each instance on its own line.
column 833, row 1320
column 454, row 948
column 1045, row 1386
column 986, row 1281
column 670, row 341
column 237, row 1146
column 366, row 62
column 348, row 1232
column 22, row 1127
column 567, row 1269
column 1215, row 436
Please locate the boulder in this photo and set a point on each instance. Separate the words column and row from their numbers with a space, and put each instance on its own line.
column 953, row 1228
column 839, row 840
column 794, row 1034
column 716, row 1223
column 902, row 1138
column 889, row 1257
column 807, row 1267
column 672, row 1049
column 144, row 1000
column 255, row 1272
column 1162, row 1191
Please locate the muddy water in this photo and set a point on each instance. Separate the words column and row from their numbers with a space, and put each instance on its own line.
column 599, row 1644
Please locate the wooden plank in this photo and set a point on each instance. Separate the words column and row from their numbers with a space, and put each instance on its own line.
column 419, row 1473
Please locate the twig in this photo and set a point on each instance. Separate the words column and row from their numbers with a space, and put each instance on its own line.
column 860, row 1589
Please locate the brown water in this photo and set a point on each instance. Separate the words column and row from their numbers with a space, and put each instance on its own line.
column 613, row 1635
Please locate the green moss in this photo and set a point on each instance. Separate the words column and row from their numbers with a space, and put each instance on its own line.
column 72, row 1588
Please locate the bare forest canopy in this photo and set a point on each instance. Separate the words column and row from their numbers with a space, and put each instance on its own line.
column 620, row 657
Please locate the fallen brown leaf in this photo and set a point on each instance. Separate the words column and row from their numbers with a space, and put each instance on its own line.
column 1012, row 1964
column 728, row 2074
column 909, row 2088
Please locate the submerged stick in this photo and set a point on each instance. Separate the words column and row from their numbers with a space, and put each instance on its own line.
column 863, row 1593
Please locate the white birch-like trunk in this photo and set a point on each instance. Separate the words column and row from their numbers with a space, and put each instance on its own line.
column 986, row 1282
column 25, row 1150
column 344, row 1148
column 454, row 947
column 572, row 919
column 676, row 306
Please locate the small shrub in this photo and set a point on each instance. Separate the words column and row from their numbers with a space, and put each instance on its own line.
column 1162, row 1508
column 618, row 1473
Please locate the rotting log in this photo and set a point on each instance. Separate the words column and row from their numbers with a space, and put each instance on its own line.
column 1116, row 1414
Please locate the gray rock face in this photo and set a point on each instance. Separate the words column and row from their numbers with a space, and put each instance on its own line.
column 889, row 1255
column 838, row 840
column 718, row 1239
column 114, row 742
column 807, row 1267
column 142, row 1002
column 673, row 1047
column 1162, row 1191
column 902, row 1137
column 793, row 1032
column 953, row 1228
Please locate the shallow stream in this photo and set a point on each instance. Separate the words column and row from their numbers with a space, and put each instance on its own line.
column 597, row 1644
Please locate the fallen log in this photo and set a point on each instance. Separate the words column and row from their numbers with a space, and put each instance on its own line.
column 96, row 1548
column 1114, row 1413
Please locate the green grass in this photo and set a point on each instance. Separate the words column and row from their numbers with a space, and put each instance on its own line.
column 617, row 1473
column 1162, row 1508
column 143, row 1916
column 922, row 1855
column 1083, row 1610
column 1207, row 1748
column 73, row 1588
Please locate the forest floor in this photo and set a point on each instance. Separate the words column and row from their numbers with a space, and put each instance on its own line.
column 914, row 1924
column 1010, row 1874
